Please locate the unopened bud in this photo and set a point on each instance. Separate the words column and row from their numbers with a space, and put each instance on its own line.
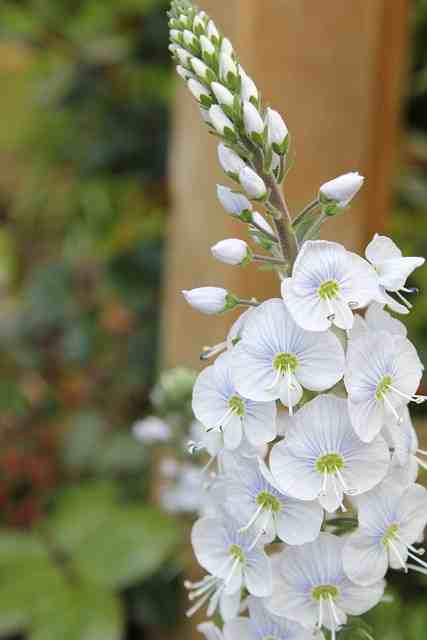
column 200, row 92
column 341, row 190
column 277, row 132
column 207, row 47
column 228, row 71
column 232, row 251
column 226, row 47
column 262, row 223
column 199, row 23
column 248, row 89
column 201, row 69
column 183, row 56
column 230, row 161
column 190, row 39
column 254, row 125
column 236, row 204
column 212, row 31
column 184, row 73
column 176, row 36
column 253, row 185
column 221, row 122
column 210, row 300
column 222, row 94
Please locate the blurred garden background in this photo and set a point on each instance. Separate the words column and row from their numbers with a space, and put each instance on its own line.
column 86, row 96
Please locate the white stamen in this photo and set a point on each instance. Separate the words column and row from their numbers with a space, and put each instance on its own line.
column 320, row 620
column 276, row 380
column 253, row 519
column 403, row 299
column 347, row 489
column 418, row 399
column 399, row 557
column 337, row 493
column 392, row 409
column 232, row 571
column 422, row 464
column 262, row 530
column 333, row 610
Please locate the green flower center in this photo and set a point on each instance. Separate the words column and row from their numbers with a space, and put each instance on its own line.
column 383, row 387
column 237, row 552
column 268, row 501
column 323, row 591
column 329, row 463
column 390, row 534
column 237, row 405
column 269, row 638
column 328, row 290
column 284, row 362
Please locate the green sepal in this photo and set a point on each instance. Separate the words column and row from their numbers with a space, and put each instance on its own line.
column 281, row 149
column 246, row 216
column 231, row 302
column 230, row 135
column 257, row 139
column 206, row 102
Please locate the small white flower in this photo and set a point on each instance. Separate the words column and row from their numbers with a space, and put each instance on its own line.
column 275, row 358
column 222, row 94
column 228, row 71
column 236, row 204
column 209, row 300
column 342, row 190
column 277, row 131
column 212, row 31
column 248, row 91
column 254, row 125
column 262, row 223
column 175, row 35
column 382, row 376
column 200, row 68
column 253, row 185
column 199, row 23
column 227, row 553
column 218, row 405
column 220, row 121
column 391, row 519
column 207, row 47
column 198, row 90
column 393, row 270
column 262, row 625
column 376, row 319
column 226, row 47
column 323, row 458
column 327, row 283
column 314, row 589
column 254, row 499
column 407, row 456
column 152, row 429
column 230, row 161
column 189, row 38
column 184, row 73
column 183, row 56
column 232, row 251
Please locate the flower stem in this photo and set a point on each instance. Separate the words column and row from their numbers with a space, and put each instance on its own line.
column 270, row 236
column 311, row 206
column 268, row 259
column 248, row 303
column 283, row 223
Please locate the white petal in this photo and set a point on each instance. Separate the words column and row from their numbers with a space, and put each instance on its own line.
column 307, row 310
column 412, row 513
column 295, row 475
column 377, row 318
column 260, row 422
column 382, row 248
column 210, row 631
column 321, row 363
column 394, row 273
column 343, row 315
column 229, row 605
column 258, row 575
column 210, row 402
column 366, row 464
column 300, row 522
column 210, row 545
column 365, row 559
column 365, row 282
column 241, row 629
column 332, row 498
column 290, row 391
column 356, row 601
column 367, row 418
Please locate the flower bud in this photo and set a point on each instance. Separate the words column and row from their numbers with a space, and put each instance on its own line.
column 277, row 132
column 201, row 69
column 199, row 23
column 262, row 223
column 341, row 190
column 253, row 185
column 207, row 47
column 248, row 90
column 184, row 21
column 200, row 92
column 209, row 300
column 221, row 122
column 205, row 115
column 183, row 56
column 226, row 47
column 228, row 71
column 222, row 94
column 190, row 39
column 232, row 251
column 236, row 204
column 230, row 161
column 184, row 73
column 254, row 126
column 176, row 35
column 212, row 31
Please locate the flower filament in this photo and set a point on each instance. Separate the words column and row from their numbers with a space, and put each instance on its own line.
column 390, row 539
column 236, row 407
column 327, row 593
column 385, row 386
column 330, row 466
column 328, row 291
column 285, row 364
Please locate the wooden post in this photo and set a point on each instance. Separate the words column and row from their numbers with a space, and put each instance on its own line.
column 334, row 70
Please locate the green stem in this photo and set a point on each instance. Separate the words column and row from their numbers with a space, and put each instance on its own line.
column 283, row 223
column 268, row 259
column 248, row 303
column 307, row 209
column 270, row 236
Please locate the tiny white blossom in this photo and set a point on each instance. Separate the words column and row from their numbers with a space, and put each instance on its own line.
column 262, row 223
column 236, row 204
column 323, row 458
column 382, row 376
column 228, row 71
column 262, row 625
column 232, row 251
column 391, row 519
column 393, row 270
column 189, row 38
column 277, row 131
column 198, row 90
column 209, row 300
column 207, row 46
column 230, row 554
column 183, row 56
column 212, row 31
column 152, row 429
column 327, row 283
column 253, row 185
column 200, row 68
column 252, row 120
column 222, row 94
column 226, row 47
column 249, row 91
column 210, row 631
column 230, row 161
column 220, row 121
column 314, row 590
column 275, row 358
column 342, row 190
column 218, row 405
column 184, row 73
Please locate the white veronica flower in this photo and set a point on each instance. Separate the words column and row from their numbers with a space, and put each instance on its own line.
column 218, row 405
column 262, row 625
column 314, row 589
column 382, row 376
column 376, row 319
column 393, row 270
column 327, row 283
column 230, row 554
column 255, row 500
column 210, row 631
column 275, row 358
column 342, row 190
column 277, row 131
column 211, row 591
column 391, row 519
column 322, row 457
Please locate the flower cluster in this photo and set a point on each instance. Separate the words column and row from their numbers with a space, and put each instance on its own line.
column 304, row 409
